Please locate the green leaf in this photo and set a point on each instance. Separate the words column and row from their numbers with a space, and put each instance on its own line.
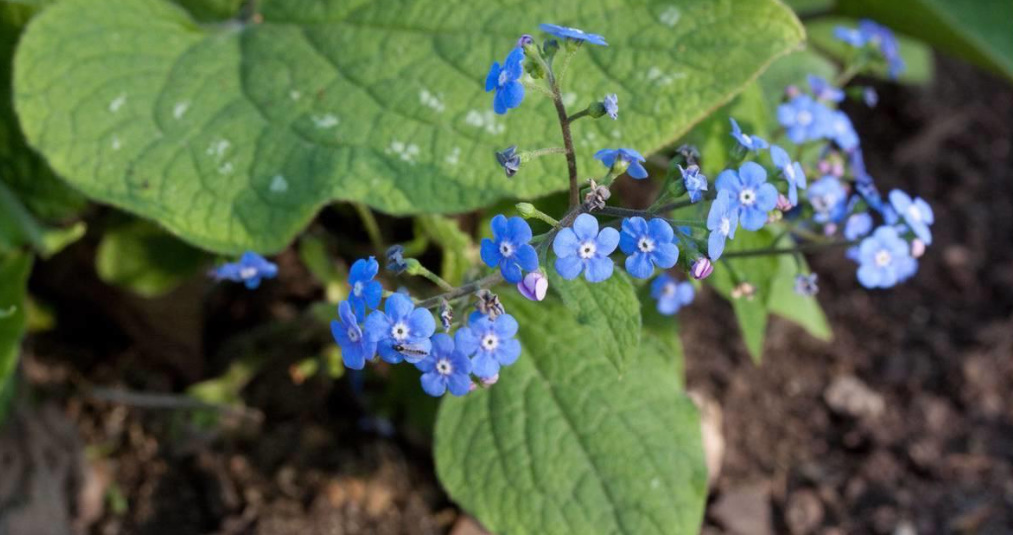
column 143, row 258
column 979, row 31
column 459, row 251
column 14, row 271
column 21, row 169
column 760, row 271
column 232, row 136
column 610, row 309
column 785, row 302
column 917, row 55
column 561, row 445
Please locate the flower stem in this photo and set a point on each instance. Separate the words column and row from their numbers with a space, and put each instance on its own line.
column 582, row 113
column 564, row 126
column 372, row 227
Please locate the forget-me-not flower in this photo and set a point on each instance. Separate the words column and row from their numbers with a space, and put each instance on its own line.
column 611, row 104
column 633, row 158
column 882, row 38
column 695, row 182
column 829, row 199
column 858, row 225
column 671, row 294
column 803, row 118
column 249, row 270
column 823, row 90
column 884, row 259
column 648, row 244
column 916, row 213
column 366, row 292
column 841, row 131
column 509, row 248
column 356, row 346
column 722, row 220
column 509, row 160
column 491, row 342
column 751, row 193
column 445, row 368
column 583, row 248
column 505, row 80
column 792, row 172
column 746, row 140
column 401, row 331
column 574, row 34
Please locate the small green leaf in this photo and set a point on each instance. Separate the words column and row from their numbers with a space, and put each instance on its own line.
column 14, row 271
column 561, row 445
column 233, row 135
column 145, row 259
column 611, row 310
column 978, row 31
column 919, row 65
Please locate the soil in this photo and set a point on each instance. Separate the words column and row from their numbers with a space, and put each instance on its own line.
column 903, row 424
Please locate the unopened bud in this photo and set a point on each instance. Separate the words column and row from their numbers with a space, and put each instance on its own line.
column 395, row 259
column 526, row 210
column 830, row 229
column 917, row 248
column 597, row 196
column 446, row 314
column 488, row 304
column 792, row 91
column 489, row 381
column 525, row 40
column 702, row 268
column 534, row 286
column 783, row 204
column 744, row 289
column 414, row 267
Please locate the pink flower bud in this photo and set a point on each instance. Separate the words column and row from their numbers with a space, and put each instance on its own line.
column 917, row 248
column 702, row 268
column 534, row 286
column 829, row 229
column 489, row 381
column 824, row 167
column 792, row 91
column 783, row 204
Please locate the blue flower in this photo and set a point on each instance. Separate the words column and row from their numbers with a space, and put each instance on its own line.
column 395, row 259
column 563, row 32
column 509, row 160
column 445, row 368
column 722, row 221
column 803, row 118
column 792, row 172
column 670, row 294
column 851, row 36
column 840, row 130
column 401, row 331
column 611, row 104
column 806, row 285
column 881, row 37
column 747, row 141
column 870, row 97
column 648, row 244
column 366, row 292
column 916, row 213
column 828, row 198
column 506, row 81
column 583, row 248
column 751, row 193
column 822, row 89
column 356, row 346
column 695, row 182
column 884, row 259
column 509, row 248
column 858, row 225
column 491, row 342
column 249, row 270
column 630, row 156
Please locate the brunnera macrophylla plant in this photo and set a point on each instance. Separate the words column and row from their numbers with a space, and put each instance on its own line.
column 809, row 182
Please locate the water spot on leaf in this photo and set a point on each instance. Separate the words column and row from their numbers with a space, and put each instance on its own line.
column 670, row 16
column 279, row 184
column 454, row 157
column 226, row 168
column 179, row 110
column 485, row 120
column 218, row 147
column 408, row 152
column 325, row 121
column 116, row 144
column 430, row 100
column 295, row 95
column 569, row 99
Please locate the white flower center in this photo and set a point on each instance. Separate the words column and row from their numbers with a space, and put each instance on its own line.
column 444, row 367
column 747, row 197
column 645, row 245
column 490, row 342
column 357, row 288
column 587, row 250
column 399, row 331
column 913, row 214
column 883, row 258
column 247, row 273
column 747, row 139
column 789, row 172
column 726, row 226
column 502, row 77
column 804, row 117
column 354, row 334
column 506, row 249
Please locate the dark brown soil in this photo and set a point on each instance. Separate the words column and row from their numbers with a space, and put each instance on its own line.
column 932, row 452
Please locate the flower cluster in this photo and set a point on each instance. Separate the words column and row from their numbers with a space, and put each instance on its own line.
column 872, row 36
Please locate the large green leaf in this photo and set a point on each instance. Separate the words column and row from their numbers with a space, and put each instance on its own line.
column 561, row 445
column 14, row 270
column 21, row 169
column 611, row 310
column 981, row 31
column 233, row 135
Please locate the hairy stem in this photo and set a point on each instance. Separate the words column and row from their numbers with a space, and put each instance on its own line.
column 372, row 227
column 564, row 126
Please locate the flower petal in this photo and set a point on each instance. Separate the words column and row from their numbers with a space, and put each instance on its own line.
column 565, row 244
column 607, row 241
column 398, row 307
column 599, row 269
column 586, row 227
column 434, row 384
column 639, row 265
column 569, row 267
